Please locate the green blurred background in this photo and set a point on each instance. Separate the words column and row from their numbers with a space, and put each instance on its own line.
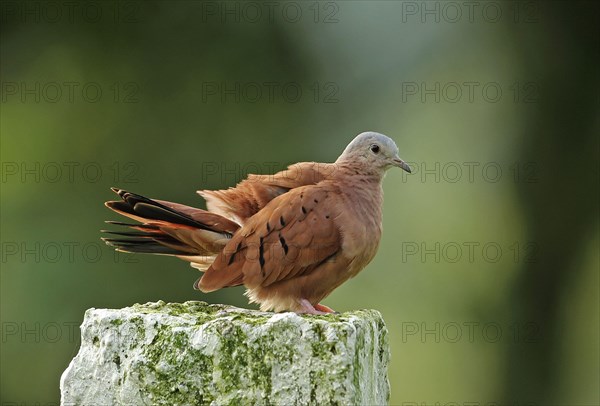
column 487, row 273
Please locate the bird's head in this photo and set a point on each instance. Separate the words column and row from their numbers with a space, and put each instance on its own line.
column 375, row 151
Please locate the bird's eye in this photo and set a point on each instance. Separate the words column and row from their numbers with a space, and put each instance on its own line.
column 375, row 148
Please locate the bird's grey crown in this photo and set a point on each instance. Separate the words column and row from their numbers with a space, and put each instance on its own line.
column 364, row 140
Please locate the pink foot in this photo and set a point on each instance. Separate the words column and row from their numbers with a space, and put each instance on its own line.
column 307, row 308
column 323, row 308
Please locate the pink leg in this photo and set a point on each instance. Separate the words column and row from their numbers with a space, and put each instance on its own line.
column 307, row 308
column 323, row 308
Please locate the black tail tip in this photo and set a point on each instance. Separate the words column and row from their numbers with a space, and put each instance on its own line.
column 119, row 191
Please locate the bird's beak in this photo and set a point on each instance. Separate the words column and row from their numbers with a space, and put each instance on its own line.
column 400, row 164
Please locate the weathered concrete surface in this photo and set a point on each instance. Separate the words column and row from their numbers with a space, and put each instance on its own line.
column 195, row 353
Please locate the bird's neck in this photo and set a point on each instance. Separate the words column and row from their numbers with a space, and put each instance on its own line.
column 361, row 185
column 356, row 172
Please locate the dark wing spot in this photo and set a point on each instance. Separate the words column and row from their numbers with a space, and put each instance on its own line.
column 316, row 201
column 281, row 221
column 303, row 210
column 327, row 216
column 261, row 256
column 283, row 244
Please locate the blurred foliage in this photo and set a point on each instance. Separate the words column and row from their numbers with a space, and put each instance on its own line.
column 156, row 130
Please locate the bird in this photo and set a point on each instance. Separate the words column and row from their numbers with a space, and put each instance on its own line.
column 290, row 238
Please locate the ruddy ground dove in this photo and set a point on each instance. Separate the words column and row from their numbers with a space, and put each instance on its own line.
column 291, row 238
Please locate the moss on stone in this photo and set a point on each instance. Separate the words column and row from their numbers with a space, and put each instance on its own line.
column 195, row 353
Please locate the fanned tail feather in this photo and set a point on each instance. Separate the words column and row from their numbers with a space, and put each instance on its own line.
column 166, row 228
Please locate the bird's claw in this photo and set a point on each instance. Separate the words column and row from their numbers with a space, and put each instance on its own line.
column 307, row 308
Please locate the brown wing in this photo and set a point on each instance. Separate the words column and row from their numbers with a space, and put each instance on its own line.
column 254, row 193
column 291, row 236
